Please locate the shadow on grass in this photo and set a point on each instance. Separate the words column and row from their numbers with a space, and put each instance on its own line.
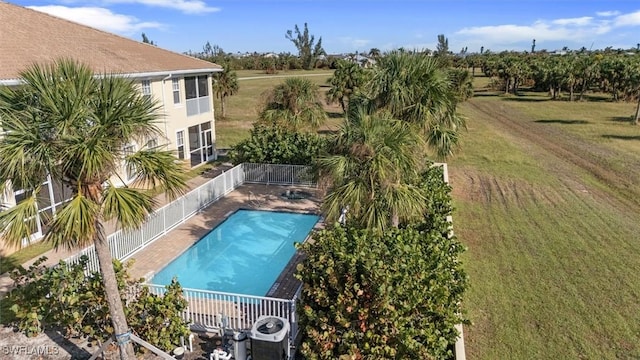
column 525, row 98
column 563, row 122
column 623, row 119
column 622, row 137
column 335, row 115
column 327, row 132
column 486, row 93
column 7, row 264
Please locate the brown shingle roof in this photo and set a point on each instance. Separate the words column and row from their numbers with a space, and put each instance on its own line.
column 28, row 36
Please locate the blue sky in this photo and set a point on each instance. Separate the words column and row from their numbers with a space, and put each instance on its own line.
column 359, row 25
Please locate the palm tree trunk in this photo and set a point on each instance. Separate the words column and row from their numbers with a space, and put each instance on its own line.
column 111, row 291
column 571, row 94
column 222, row 107
column 636, row 119
column 395, row 219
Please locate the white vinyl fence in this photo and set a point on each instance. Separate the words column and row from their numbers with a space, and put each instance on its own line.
column 219, row 311
column 276, row 174
column 123, row 244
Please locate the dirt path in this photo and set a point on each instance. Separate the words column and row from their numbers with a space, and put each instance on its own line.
column 566, row 153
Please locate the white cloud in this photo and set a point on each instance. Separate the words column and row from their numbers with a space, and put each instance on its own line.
column 581, row 21
column 631, row 19
column 510, row 34
column 608, row 13
column 354, row 43
column 99, row 18
column 185, row 6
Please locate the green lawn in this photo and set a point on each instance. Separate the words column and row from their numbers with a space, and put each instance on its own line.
column 553, row 254
column 243, row 107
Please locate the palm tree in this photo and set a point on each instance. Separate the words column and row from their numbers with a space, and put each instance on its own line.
column 371, row 169
column 375, row 53
column 415, row 88
column 225, row 84
column 294, row 104
column 67, row 123
column 462, row 82
column 346, row 80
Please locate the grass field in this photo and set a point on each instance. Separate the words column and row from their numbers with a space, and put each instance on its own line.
column 547, row 197
column 243, row 107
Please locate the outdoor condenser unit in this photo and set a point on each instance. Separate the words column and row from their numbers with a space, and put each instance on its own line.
column 270, row 338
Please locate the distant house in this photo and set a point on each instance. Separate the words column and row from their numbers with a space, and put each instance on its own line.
column 180, row 83
column 361, row 60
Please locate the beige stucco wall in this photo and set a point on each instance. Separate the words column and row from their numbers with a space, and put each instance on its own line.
column 175, row 115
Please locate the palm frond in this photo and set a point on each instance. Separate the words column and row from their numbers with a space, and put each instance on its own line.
column 75, row 225
column 18, row 222
column 128, row 206
column 158, row 169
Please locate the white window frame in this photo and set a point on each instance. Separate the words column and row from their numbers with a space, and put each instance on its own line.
column 152, row 143
column 129, row 171
column 199, row 104
column 175, row 88
column 180, row 143
column 146, row 87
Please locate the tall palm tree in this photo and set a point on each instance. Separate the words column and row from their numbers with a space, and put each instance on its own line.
column 415, row 88
column 371, row 169
column 225, row 84
column 294, row 104
column 67, row 123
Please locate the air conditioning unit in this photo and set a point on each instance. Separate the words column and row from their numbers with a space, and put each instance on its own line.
column 270, row 338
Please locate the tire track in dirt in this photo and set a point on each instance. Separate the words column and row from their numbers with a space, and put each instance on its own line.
column 566, row 149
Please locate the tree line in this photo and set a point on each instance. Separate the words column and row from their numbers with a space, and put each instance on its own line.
column 574, row 74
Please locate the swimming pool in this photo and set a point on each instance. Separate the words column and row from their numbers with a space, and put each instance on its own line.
column 245, row 254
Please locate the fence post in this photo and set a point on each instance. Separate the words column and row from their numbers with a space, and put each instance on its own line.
column 293, row 321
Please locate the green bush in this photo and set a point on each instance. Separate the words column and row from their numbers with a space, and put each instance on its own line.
column 276, row 145
column 64, row 297
column 395, row 296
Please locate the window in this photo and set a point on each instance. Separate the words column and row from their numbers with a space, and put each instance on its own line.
column 51, row 196
column 180, row 144
column 175, row 86
column 197, row 94
column 129, row 170
column 152, row 143
column 200, row 143
column 146, row 87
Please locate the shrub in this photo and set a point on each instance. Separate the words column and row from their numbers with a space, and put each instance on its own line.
column 64, row 297
column 395, row 296
column 275, row 145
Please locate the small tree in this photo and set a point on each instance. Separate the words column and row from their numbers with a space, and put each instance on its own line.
column 225, row 84
column 294, row 104
column 308, row 49
column 346, row 81
column 146, row 40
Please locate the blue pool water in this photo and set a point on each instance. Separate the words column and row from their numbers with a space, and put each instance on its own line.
column 245, row 254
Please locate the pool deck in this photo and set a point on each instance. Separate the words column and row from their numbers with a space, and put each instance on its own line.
column 251, row 196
